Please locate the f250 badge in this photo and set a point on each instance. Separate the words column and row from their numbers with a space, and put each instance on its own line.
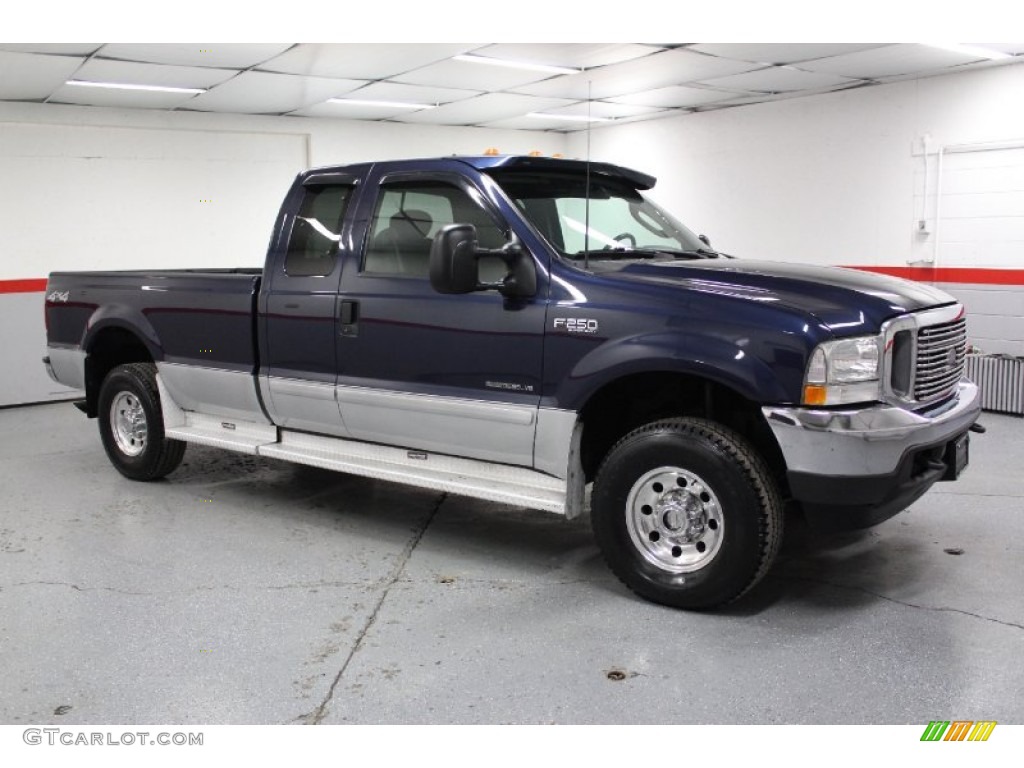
column 57, row 296
column 576, row 324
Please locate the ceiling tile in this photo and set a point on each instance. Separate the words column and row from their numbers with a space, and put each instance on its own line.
column 226, row 55
column 578, row 55
column 780, row 53
column 532, row 124
column 66, row 49
column 416, row 94
column 777, row 79
column 112, row 97
column 660, row 115
column 33, row 76
column 661, row 69
column 470, row 75
column 107, row 71
column 675, row 96
column 891, row 60
column 481, row 109
column 363, row 61
column 267, row 93
column 602, row 109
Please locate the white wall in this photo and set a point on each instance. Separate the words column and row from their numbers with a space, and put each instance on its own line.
column 91, row 188
column 837, row 179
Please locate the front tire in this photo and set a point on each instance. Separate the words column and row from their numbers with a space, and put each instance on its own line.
column 686, row 513
column 132, row 426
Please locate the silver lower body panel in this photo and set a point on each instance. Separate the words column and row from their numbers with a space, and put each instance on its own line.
column 520, row 486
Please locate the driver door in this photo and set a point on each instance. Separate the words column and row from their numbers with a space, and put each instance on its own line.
column 454, row 374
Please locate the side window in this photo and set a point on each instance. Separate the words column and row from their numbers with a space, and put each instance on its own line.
column 313, row 247
column 407, row 217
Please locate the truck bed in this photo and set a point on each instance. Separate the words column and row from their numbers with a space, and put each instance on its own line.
column 193, row 316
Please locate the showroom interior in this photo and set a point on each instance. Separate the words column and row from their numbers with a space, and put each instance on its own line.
column 246, row 589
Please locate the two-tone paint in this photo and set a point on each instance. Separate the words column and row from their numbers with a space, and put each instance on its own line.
column 388, row 360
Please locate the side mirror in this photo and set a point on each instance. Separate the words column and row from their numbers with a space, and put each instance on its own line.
column 455, row 268
column 453, row 265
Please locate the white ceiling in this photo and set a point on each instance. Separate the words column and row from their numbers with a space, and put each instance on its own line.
column 616, row 82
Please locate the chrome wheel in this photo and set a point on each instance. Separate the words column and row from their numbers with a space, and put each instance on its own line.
column 128, row 424
column 674, row 520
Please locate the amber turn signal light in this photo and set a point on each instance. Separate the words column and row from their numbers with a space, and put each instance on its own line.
column 814, row 394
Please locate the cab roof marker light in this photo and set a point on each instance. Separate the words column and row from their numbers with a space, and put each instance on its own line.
column 528, row 65
column 971, row 50
column 374, row 103
column 134, row 87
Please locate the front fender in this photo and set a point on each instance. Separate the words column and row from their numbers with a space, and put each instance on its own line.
column 732, row 363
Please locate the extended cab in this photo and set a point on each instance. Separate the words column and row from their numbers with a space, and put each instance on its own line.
column 519, row 328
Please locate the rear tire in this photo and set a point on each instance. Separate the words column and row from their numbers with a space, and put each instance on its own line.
column 132, row 426
column 686, row 513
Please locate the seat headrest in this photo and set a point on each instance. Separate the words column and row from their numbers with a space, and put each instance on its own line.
column 412, row 223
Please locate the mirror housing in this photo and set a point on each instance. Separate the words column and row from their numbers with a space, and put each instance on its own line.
column 455, row 267
column 453, row 264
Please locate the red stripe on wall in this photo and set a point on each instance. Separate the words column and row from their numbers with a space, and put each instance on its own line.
column 23, row 286
column 951, row 274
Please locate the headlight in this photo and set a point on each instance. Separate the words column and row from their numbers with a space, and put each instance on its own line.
column 844, row 371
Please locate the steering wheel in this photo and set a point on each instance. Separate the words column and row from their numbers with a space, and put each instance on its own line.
column 624, row 237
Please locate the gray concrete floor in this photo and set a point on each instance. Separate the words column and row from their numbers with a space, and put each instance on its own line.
column 244, row 590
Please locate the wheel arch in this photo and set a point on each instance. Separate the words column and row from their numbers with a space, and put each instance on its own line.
column 636, row 398
column 111, row 342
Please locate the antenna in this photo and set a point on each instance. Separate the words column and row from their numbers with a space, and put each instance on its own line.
column 586, row 216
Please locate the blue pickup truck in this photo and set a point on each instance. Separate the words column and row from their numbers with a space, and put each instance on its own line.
column 537, row 332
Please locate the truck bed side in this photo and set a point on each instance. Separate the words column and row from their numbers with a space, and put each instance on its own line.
column 198, row 326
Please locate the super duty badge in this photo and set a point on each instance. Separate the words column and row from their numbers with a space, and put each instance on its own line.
column 576, row 324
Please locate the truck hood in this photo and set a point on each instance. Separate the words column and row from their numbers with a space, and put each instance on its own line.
column 847, row 301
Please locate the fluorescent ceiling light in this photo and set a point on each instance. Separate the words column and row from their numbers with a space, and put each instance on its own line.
column 570, row 118
column 132, row 87
column 548, row 68
column 971, row 50
column 372, row 103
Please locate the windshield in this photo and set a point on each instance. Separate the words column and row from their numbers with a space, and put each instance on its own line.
column 622, row 224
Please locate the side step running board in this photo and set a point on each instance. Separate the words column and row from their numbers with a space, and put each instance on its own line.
column 466, row 477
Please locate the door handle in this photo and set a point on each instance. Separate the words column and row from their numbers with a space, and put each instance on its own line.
column 349, row 317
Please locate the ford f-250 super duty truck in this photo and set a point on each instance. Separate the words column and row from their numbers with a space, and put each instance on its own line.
column 517, row 328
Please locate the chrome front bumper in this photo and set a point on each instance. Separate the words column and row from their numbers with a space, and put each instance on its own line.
column 869, row 441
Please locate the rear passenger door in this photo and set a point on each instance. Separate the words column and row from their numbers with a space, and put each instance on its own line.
column 300, row 311
column 453, row 374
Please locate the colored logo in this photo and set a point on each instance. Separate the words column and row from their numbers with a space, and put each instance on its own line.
column 958, row 730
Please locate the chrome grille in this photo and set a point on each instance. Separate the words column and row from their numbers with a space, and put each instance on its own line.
column 941, row 350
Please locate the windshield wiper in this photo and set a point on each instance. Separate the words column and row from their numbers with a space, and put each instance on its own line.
column 616, row 254
column 704, row 253
column 612, row 253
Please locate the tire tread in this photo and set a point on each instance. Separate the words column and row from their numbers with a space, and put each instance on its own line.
column 753, row 466
column 170, row 452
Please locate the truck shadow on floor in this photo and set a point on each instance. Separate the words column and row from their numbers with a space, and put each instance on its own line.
column 839, row 571
column 471, row 538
